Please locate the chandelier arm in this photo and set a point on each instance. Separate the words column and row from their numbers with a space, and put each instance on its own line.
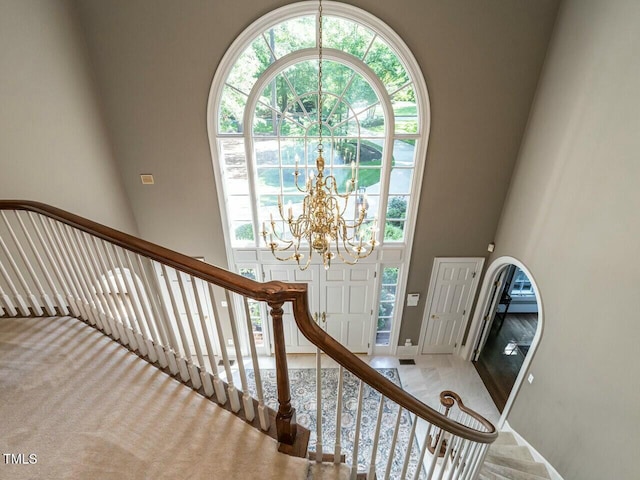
column 352, row 260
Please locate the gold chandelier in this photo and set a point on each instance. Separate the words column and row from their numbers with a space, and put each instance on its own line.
column 322, row 227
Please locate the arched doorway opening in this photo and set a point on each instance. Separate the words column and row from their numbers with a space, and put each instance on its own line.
column 506, row 330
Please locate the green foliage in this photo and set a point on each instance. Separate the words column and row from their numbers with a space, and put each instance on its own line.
column 396, row 209
column 387, row 65
column 244, row 232
column 390, row 276
column 391, row 232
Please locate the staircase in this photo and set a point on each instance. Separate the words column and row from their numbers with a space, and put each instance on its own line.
column 506, row 460
column 165, row 308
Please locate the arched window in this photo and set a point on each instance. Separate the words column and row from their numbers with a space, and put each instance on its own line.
column 263, row 120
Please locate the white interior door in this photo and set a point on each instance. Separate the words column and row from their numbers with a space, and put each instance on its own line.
column 452, row 288
column 346, row 299
column 487, row 320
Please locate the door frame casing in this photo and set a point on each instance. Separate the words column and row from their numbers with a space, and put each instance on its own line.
column 430, row 294
column 491, row 275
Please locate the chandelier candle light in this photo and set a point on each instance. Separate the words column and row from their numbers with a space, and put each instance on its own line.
column 322, row 224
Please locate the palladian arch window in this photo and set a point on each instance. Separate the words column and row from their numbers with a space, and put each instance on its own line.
column 263, row 122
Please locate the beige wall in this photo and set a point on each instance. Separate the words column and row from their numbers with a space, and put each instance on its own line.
column 53, row 146
column 572, row 216
column 155, row 60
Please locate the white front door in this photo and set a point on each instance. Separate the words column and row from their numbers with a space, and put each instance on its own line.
column 451, row 292
column 341, row 298
column 293, row 338
column 346, row 300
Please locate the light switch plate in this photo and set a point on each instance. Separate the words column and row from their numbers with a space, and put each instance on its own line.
column 413, row 299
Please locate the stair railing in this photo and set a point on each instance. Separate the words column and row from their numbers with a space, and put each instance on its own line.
column 168, row 308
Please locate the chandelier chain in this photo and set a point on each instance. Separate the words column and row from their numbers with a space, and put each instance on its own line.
column 320, row 146
column 324, row 224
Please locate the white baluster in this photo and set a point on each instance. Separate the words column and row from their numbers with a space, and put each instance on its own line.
column 247, row 401
column 146, row 324
column 73, row 295
column 458, row 462
column 356, row 437
column 232, row 392
column 35, row 304
column 48, row 304
column 62, row 303
column 376, row 438
column 337, row 450
column 86, row 272
column 476, row 460
column 19, row 299
column 434, row 459
column 9, row 308
column 154, row 314
column 263, row 412
column 423, row 451
column 173, row 352
column 186, row 353
column 194, row 372
column 447, row 455
column 217, row 386
column 114, row 277
column 103, row 289
column 22, row 305
column 319, row 446
column 84, row 290
column 104, row 311
column 394, row 441
column 129, row 299
column 407, row 457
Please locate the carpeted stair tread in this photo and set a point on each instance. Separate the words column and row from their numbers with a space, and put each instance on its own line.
column 485, row 475
column 512, row 451
column 505, row 438
column 328, row 471
column 526, row 466
column 511, row 473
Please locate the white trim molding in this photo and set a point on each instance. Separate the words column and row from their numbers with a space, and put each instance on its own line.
column 432, row 283
column 399, row 47
column 484, row 301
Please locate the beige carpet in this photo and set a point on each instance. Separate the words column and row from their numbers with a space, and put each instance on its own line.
column 90, row 409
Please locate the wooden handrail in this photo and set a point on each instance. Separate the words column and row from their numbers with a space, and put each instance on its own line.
column 273, row 292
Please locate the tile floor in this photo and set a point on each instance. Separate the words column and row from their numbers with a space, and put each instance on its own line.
column 425, row 380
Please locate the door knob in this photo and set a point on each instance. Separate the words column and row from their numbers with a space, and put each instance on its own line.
column 324, row 317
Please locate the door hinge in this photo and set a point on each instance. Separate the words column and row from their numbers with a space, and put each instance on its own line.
column 375, row 274
column 455, row 345
column 463, row 312
column 368, row 345
column 496, row 283
column 371, row 311
column 473, row 275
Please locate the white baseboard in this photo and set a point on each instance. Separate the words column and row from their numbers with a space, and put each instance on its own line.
column 403, row 351
column 553, row 473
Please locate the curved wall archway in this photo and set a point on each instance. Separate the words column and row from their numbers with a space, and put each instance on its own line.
column 484, row 303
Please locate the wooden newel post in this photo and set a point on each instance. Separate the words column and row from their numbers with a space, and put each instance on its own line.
column 286, row 417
